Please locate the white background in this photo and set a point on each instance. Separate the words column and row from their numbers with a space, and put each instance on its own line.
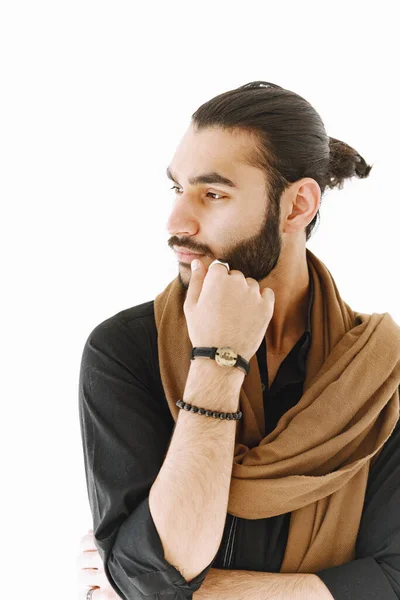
column 95, row 97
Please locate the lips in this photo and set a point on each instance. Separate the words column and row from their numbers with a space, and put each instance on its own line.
column 186, row 259
column 188, row 254
column 184, row 251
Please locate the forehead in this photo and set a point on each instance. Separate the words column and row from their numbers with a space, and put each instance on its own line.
column 213, row 149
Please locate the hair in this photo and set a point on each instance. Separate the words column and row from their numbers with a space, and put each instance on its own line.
column 290, row 138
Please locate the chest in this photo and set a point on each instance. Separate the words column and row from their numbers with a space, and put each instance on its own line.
column 273, row 364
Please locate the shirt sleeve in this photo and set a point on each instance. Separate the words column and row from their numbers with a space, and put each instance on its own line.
column 375, row 572
column 126, row 431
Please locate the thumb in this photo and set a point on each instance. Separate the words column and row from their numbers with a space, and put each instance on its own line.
column 199, row 272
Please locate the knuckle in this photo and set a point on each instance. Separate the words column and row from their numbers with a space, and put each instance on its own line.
column 252, row 280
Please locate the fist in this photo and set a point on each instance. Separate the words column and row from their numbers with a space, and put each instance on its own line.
column 227, row 309
column 91, row 572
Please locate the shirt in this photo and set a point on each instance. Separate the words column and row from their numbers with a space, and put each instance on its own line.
column 126, row 427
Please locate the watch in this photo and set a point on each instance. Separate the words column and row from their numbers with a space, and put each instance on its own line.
column 224, row 356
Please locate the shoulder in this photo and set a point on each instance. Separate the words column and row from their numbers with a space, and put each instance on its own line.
column 135, row 324
column 127, row 339
column 132, row 319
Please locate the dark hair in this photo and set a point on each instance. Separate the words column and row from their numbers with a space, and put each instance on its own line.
column 290, row 138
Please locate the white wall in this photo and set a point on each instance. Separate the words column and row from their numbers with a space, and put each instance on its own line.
column 95, row 97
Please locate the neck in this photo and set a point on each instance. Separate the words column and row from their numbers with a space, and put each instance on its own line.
column 291, row 286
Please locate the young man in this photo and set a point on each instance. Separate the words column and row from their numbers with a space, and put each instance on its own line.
column 287, row 480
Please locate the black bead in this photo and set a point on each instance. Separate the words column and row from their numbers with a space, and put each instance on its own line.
column 201, row 411
column 187, row 406
column 215, row 415
column 208, row 413
column 180, row 403
column 222, row 415
column 194, row 409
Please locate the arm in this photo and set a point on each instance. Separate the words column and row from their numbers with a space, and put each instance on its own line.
column 189, row 499
column 373, row 575
column 255, row 585
column 125, row 428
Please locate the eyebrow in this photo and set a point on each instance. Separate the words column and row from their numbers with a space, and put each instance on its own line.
column 212, row 177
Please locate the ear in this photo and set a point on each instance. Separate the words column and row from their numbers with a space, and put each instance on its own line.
column 301, row 202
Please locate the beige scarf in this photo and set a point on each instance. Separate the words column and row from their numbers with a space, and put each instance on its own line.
column 315, row 463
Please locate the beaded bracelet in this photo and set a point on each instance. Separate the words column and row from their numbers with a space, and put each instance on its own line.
column 209, row 413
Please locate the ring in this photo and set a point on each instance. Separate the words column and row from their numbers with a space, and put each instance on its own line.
column 90, row 593
column 221, row 263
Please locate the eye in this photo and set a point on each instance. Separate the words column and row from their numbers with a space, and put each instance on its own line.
column 175, row 187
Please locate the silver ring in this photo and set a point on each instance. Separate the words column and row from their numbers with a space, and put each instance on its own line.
column 90, row 593
column 221, row 263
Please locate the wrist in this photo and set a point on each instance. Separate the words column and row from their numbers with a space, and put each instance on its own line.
column 209, row 365
column 208, row 382
column 224, row 356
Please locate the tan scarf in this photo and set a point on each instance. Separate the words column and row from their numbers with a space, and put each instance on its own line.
column 315, row 463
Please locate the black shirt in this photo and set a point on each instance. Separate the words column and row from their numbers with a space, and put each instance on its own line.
column 126, row 427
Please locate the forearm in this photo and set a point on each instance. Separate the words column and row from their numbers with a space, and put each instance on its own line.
column 189, row 498
column 224, row 584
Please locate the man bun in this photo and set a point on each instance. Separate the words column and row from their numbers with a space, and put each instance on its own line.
column 344, row 162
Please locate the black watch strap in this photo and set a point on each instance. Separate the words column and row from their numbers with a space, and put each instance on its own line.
column 224, row 356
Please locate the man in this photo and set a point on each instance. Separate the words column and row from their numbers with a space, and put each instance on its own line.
column 309, row 506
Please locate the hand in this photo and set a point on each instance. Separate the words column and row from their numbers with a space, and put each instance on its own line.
column 91, row 572
column 227, row 309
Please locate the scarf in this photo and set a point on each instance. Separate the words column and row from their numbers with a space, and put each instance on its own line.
column 315, row 463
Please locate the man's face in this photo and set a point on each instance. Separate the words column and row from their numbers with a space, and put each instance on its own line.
column 239, row 225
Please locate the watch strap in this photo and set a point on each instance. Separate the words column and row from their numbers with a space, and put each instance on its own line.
column 222, row 355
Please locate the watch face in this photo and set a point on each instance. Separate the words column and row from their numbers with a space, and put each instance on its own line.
column 225, row 357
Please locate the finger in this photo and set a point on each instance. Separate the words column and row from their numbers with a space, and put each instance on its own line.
column 89, row 560
column 92, row 578
column 96, row 594
column 195, row 284
column 99, row 594
column 87, row 542
column 268, row 294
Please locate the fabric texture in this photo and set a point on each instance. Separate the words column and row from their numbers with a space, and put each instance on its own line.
column 126, row 431
column 315, row 463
